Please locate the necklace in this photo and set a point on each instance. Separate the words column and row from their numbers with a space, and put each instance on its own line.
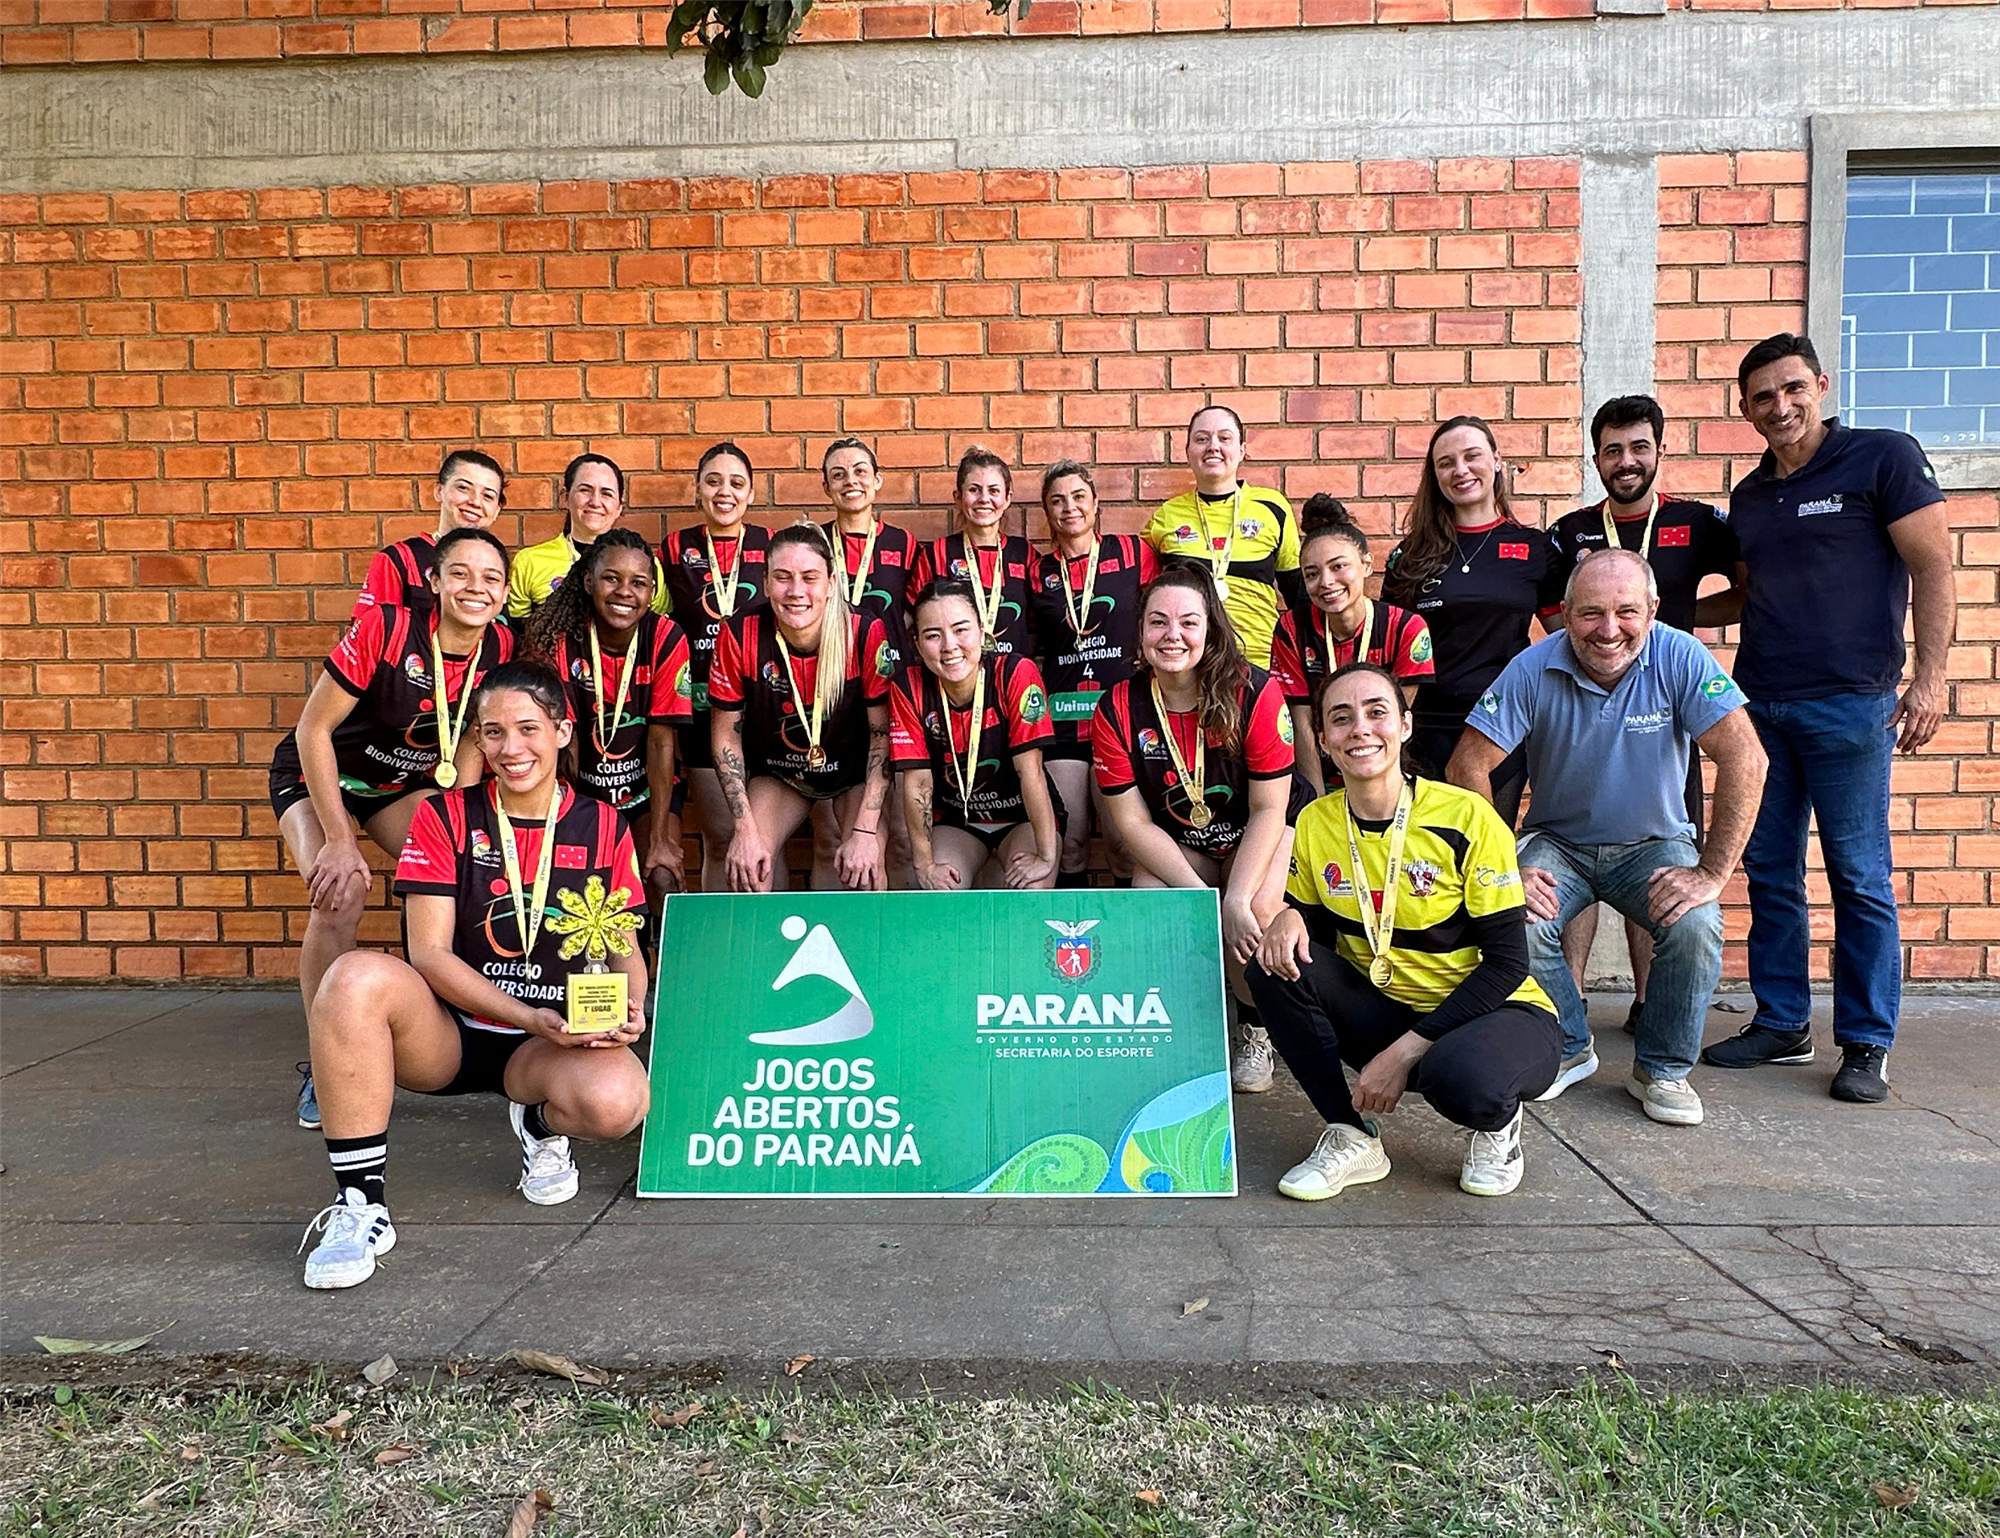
column 1480, row 549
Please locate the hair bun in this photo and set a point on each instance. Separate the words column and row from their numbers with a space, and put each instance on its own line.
column 1323, row 510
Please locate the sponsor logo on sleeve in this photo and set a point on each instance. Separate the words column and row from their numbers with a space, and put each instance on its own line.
column 1490, row 703
column 1420, row 649
column 1034, row 704
column 885, row 661
column 1493, row 876
column 1717, row 686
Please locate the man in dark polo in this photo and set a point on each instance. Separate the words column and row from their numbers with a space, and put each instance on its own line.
column 1843, row 530
column 1609, row 707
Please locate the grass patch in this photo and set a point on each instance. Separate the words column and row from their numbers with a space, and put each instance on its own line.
column 1601, row 1458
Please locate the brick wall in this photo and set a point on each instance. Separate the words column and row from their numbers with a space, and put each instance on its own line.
column 1732, row 270
column 217, row 405
column 98, row 31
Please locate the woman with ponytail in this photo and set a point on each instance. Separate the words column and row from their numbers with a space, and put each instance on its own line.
column 1338, row 623
column 493, row 878
column 627, row 673
column 1194, row 757
column 979, row 551
column 799, row 714
column 714, row 569
column 1474, row 572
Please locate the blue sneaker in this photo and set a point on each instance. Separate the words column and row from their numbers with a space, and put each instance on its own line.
column 308, row 1098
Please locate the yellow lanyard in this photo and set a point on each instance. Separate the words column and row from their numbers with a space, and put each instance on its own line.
column 815, row 754
column 970, row 771
column 1379, row 925
column 989, row 608
column 1611, row 526
column 1079, row 613
column 723, row 587
column 450, row 727
column 528, row 911
column 867, row 560
column 606, row 733
column 1220, row 564
column 1195, row 780
column 1360, row 652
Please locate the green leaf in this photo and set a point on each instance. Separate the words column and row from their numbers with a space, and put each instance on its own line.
column 750, row 79
column 768, row 54
column 715, row 73
column 57, row 1345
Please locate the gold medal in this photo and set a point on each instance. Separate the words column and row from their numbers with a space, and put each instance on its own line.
column 1378, row 921
column 1200, row 815
column 446, row 774
column 1077, row 609
column 1194, row 780
column 603, row 732
column 815, row 758
column 988, row 604
column 1363, row 635
column 969, row 770
column 1222, row 588
column 812, row 721
column 722, row 587
column 450, row 727
column 529, row 906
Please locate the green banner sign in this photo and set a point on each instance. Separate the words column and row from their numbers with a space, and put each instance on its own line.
column 1065, row 1043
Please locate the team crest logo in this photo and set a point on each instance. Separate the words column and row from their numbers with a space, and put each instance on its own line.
column 481, row 847
column 1717, row 686
column 1285, row 727
column 1071, row 955
column 690, row 556
column 683, row 679
column 1420, row 649
column 1034, row 704
column 885, row 661
column 1149, row 742
column 1423, row 876
column 1184, row 532
column 1330, row 874
column 772, row 676
column 1250, row 528
column 960, row 570
column 413, row 669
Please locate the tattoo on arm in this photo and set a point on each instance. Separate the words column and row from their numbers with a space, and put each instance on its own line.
column 729, row 770
column 877, row 780
column 924, row 809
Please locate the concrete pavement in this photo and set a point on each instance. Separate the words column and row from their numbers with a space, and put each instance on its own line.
column 154, row 1174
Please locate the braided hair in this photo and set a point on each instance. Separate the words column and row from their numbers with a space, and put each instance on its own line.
column 569, row 612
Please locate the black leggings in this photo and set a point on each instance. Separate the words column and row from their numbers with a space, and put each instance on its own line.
column 1477, row 1076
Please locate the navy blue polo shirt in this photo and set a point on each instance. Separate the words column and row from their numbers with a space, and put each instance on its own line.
column 1607, row 766
column 1828, row 592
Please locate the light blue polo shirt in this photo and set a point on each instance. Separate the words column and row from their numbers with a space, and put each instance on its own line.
column 1607, row 768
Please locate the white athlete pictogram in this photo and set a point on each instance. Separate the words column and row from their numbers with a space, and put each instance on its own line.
column 819, row 955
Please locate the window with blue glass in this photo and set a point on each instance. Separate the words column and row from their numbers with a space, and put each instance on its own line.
column 1920, row 309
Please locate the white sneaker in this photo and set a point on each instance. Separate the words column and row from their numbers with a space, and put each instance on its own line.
column 357, row 1232
column 1344, row 1156
column 1493, row 1164
column 1672, row 1101
column 548, row 1172
column 1250, row 1072
column 1574, row 1070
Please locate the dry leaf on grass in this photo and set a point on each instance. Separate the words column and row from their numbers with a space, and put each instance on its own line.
column 1193, row 1308
column 380, row 1371
column 705, row 1468
column 395, row 1452
column 1894, row 1499
column 334, row 1427
column 190, row 1453
column 557, row 1366
column 791, row 1437
column 742, row 1530
column 1146, row 1497
column 678, row 1419
column 532, row 1506
column 58, row 1345
column 799, row 1364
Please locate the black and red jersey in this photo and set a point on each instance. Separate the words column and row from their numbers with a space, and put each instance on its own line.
column 749, row 675
column 661, row 678
column 947, row 558
column 454, row 851
column 886, row 592
column 1079, row 668
column 1690, row 541
column 691, row 599
column 1478, row 607
column 1016, row 719
column 389, row 741
column 1303, row 656
column 1128, row 749
column 398, row 575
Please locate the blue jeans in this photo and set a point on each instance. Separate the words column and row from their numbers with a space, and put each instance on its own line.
column 1687, row 954
column 1830, row 758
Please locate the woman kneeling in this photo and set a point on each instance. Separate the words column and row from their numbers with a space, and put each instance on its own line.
column 500, row 881
column 967, row 733
column 1403, row 951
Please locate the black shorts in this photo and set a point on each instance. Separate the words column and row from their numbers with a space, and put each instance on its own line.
column 992, row 835
column 1695, row 807
column 693, row 748
column 288, row 788
column 482, row 1059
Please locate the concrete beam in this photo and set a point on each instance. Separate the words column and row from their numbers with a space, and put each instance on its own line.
column 1686, row 82
column 1620, row 256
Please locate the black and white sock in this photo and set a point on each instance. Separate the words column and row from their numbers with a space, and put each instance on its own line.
column 360, row 1164
column 537, row 1125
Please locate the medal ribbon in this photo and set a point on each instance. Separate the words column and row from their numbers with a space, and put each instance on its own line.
column 528, row 913
column 1611, row 526
column 867, row 560
column 1361, row 651
column 724, row 587
column 989, row 608
column 606, row 733
column 450, row 727
column 1379, row 925
column 970, row 771
column 1220, row 564
column 1079, row 614
column 810, row 723
column 1194, row 780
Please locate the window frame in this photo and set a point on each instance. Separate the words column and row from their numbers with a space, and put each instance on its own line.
column 1920, row 141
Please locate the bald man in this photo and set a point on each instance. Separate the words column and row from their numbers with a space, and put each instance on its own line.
column 1608, row 707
